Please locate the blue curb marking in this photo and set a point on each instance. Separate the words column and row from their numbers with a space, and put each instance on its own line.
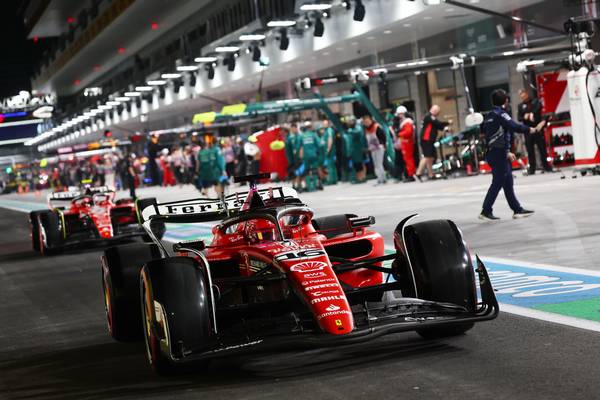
column 524, row 286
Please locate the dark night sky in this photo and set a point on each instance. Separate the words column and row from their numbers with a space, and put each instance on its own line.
column 15, row 53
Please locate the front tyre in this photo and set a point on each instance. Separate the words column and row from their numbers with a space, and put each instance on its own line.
column 176, row 312
column 50, row 232
column 442, row 270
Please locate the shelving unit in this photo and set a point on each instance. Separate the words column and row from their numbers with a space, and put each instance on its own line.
column 560, row 143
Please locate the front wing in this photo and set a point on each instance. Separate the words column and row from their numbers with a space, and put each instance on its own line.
column 401, row 315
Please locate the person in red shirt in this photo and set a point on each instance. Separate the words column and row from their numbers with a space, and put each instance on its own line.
column 165, row 164
column 429, row 135
column 406, row 142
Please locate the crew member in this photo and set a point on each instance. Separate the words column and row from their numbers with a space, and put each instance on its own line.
column 210, row 167
column 292, row 149
column 430, row 131
column 377, row 142
column 329, row 150
column 309, row 154
column 499, row 128
column 130, row 175
column 530, row 114
column 406, row 139
column 358, row 149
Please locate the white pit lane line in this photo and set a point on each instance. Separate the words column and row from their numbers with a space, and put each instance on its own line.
column 26, row 207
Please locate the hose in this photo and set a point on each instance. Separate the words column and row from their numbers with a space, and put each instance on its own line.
column 587, row 90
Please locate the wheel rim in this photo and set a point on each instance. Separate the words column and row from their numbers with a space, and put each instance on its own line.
column 108, row 308
column 148, row 327
column 42, row 238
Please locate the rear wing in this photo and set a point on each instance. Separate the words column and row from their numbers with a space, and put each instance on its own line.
column 74, row 193
column 206, row 210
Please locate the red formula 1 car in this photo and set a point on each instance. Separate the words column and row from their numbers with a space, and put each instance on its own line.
column 275, row 276
column 90, row 215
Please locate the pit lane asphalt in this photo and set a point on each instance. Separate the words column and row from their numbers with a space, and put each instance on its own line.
column 54, row 345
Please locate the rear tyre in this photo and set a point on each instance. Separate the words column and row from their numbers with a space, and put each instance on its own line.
column 121, row 267
column 333, row 225
column 50, row 232
column 442, row 271
column 176, row 308
column 158, row 228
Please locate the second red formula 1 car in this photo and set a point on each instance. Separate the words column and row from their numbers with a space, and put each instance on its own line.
column 86, row 215
column 274, row 275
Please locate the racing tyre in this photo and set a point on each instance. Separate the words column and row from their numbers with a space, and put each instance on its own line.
column 442, row 271
column 177, row 310
column 121, row 267
column 158, row 228
column 333, row 225
column 35, row 230
column 50, row 232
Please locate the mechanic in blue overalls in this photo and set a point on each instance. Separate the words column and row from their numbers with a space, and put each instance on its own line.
column 499, row 129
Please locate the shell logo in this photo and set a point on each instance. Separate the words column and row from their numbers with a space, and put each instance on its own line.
column 308, row 266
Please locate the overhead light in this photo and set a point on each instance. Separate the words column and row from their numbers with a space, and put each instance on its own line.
column 113, row 103
column 173, row 75
column 423, row 62
column 226, row 49
column 187, row 68
column 359, row 10
column 250, row 37
column 284, row 40
column 508, row 53
column 142, row 89
column 315, row 7
column 133, row 94
column 157, row 82
column 122, row 98
column 319, row 28
column 281, row 23
column 205, row 59
column 105, row 107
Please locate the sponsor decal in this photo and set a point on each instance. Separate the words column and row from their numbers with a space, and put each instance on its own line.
column 313, row 281
column 232, row 201
column 332, row 307
column 315, row 274
column 235, row 238
column 323, row 286
column 308, row 266
column 197, row 208
column 292, row 255
column 333, row 313
column 64, row 195
column 326, row 298
column 325, row 292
